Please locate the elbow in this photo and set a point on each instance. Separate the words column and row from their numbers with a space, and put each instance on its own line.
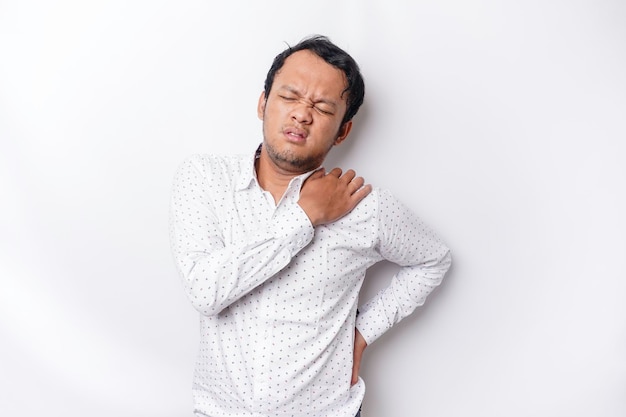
column 446, row 261
column 203, row 298
column 201, row 290
column 443, row 266
column 204, row 307
column 203, row 302
column 435, row 270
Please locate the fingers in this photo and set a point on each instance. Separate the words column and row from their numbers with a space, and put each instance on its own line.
column 363, row 191
column 326, row 197
column 348, row 176
column 358, row 189
column 355, row 375
column 359, row 346
column 356, row 365
column 336, row 172
column 356, row 183
column 319, row 173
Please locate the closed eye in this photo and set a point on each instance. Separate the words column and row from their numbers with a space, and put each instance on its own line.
column 324, row 111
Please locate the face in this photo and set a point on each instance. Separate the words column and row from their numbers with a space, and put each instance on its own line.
column 303, row 113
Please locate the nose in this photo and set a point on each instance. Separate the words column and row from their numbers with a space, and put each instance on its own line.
column 302, row 113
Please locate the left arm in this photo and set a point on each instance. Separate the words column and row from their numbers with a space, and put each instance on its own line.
column 424, row 258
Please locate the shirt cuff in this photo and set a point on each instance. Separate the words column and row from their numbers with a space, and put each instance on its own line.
column 294, row 227
column 372, row 321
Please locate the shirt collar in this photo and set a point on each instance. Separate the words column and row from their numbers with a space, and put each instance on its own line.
column 248, row 172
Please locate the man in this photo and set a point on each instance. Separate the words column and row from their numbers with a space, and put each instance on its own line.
column 273, row 251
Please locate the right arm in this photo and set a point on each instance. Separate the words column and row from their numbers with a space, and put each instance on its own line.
column 216, row 274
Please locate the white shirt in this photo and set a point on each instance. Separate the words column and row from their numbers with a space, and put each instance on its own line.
column 278, row 297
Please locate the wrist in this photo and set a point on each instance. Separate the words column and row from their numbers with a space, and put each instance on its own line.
column 310, row 213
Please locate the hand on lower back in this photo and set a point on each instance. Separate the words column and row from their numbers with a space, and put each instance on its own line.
column 359, row 346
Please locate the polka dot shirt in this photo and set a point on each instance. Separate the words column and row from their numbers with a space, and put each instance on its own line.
column 278, row 298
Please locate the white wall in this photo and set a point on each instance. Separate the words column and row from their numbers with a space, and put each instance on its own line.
column 501, row 123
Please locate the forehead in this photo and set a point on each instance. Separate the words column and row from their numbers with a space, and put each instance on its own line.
column 310, row 74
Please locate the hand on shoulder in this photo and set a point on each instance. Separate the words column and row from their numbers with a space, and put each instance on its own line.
column 327, row 197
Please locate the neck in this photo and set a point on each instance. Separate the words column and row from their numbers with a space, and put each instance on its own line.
column 271, row 177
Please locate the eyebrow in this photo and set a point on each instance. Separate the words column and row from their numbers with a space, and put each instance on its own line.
column 295, row 91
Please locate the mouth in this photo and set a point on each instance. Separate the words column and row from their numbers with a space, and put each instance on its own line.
column 295, row 135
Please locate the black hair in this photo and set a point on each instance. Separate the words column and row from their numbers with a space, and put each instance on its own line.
column 333, row 55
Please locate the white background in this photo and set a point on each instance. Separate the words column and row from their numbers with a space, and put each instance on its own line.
column 502, row 123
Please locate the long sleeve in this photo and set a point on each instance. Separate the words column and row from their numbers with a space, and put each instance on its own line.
column 217, row 270
column 424, row 259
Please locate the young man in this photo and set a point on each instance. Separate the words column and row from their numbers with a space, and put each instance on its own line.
column 273, row 250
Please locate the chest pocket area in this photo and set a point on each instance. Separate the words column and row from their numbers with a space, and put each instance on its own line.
column 294, row 297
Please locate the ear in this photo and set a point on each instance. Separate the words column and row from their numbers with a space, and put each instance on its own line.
column 260, row 108
column 343, row 132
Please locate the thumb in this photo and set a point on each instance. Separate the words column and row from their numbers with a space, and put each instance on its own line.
column 319, row 173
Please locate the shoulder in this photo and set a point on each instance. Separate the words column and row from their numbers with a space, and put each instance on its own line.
column 377, row 199
column 387, row 201
column 367, row 209
column 389, row 209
